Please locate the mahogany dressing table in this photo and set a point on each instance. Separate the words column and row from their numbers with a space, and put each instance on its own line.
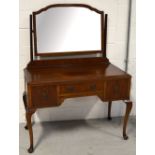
column 49, row 81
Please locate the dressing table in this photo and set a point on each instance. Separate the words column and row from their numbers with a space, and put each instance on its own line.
column 68, row 59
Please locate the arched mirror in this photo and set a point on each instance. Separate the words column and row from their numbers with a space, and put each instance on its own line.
column 68, row 29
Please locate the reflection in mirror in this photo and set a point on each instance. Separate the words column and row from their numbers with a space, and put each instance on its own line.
column 66, row 29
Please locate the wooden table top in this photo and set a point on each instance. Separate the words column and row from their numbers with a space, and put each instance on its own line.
column 73, row 73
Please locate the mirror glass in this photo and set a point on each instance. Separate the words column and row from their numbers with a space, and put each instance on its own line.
column 68, row 29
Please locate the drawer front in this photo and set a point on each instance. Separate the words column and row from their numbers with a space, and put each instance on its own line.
column 117, row 89
column 44, row 96
column 81, row 88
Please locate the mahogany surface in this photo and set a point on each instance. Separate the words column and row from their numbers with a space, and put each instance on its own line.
column 49, row 85
column 76, row 73
column 49, row 82
column 56, row 83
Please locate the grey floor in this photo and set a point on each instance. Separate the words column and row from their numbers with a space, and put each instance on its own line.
column 91, row 137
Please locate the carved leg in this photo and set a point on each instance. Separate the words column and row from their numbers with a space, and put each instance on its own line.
column 128, row 109
column 109, row 110
column 24, row 100
column 25, row 105
column 28, row 118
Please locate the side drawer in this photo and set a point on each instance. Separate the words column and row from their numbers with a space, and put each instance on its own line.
column 44, row 96
column 117, row 89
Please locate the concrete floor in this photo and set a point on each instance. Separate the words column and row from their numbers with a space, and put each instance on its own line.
column 91, row 137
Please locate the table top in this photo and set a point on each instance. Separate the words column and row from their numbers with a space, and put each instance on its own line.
column 73, row 73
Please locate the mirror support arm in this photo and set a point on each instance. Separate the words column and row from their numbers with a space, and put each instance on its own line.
column 105, row 36
column 31, row 39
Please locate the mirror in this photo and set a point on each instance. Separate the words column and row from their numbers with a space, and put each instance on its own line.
column 67, row 29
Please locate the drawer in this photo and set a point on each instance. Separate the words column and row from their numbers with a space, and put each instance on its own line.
column 117, row 89
column 44, row 96
column 81, row 88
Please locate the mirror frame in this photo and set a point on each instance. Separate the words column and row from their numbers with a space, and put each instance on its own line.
column 103, row 32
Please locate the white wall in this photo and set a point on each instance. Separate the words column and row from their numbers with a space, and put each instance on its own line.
column 83, row 107
column 132, row 53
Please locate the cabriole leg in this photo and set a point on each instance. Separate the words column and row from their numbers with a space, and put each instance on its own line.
column 109, row 110
column 25, row 105
column 29, row 124
column 128, row 110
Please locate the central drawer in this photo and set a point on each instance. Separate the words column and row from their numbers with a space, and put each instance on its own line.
column 81, row 89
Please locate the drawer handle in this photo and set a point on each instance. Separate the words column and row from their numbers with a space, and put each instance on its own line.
column 45, row 95
column 70, row 89
column 93, row 87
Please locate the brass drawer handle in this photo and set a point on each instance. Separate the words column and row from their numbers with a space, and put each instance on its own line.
column 70, row 89
column 93, row 87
